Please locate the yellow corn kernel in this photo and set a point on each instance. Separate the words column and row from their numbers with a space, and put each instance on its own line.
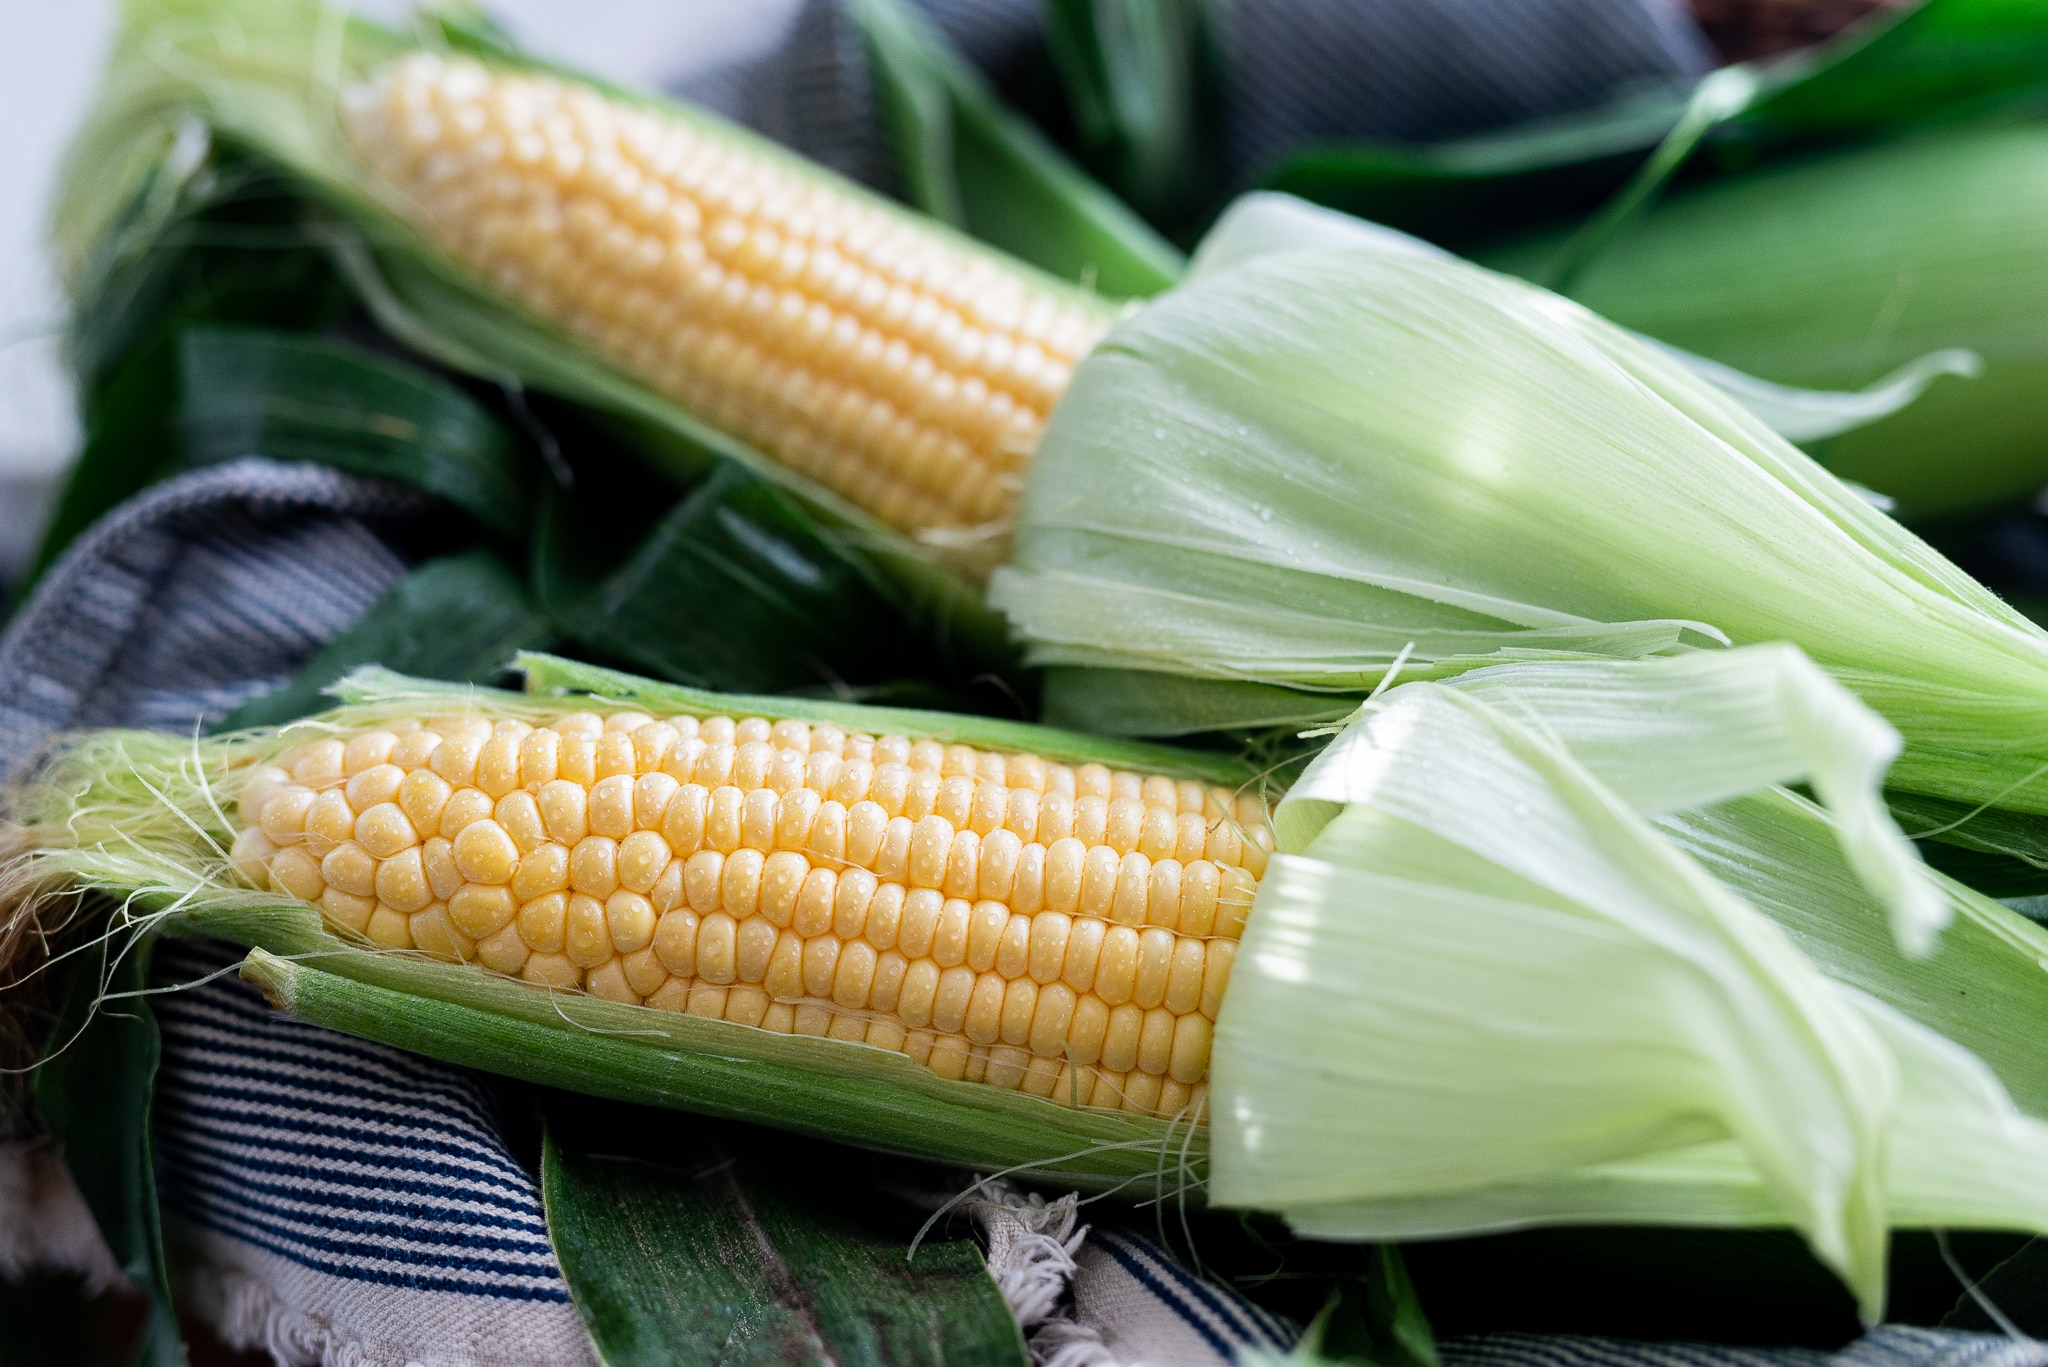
column 909, row 911
column 881, row 358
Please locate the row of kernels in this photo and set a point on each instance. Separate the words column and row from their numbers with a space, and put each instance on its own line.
column 601, row 840
column 952, row 1056
column 629, row 743
column 616, row 948
column 636, row 159
column 739, row 859
column 424, row 802
column 1118, row 964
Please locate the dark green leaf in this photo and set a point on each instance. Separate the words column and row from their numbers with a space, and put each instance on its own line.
column 1944, row 61
column 231, row 249
column 970, row 161
column 2018, row 1287
column 1998, row 852
column 1457, row 191
column 94, row 1097
column 459, row 618
column 1376, row 1319
column 1943, row 58
column 738, row 589
column 1137, row 79
column 684, row 1240
column 256, row 391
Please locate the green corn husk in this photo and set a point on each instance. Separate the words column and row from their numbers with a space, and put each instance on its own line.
column 1543, row 945
column 1484, row 986
column 1307, row 463
column 143, row 818
column 1830, row 271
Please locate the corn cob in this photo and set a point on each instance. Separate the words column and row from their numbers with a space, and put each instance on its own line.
column 895, row 365
column 1067, row 931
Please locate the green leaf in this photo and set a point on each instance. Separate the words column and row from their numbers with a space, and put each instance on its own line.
column 1460, row 190
column 1943, row 60
column 459, row 618
column 257, row 391
column 2017, row 1288
column 739, row 589
column 1999, row 853
column 1828, row 271
column 981, row 167
column 848, row 1093
column 1376, row 1320
column 1137, row 79
column 693, row 1241
column 1948, row 59
column 94, row 1096
column 207, row 238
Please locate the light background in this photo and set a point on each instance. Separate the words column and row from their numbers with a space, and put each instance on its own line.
column 49, row 69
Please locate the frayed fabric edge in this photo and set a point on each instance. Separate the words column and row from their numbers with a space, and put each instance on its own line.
column 1031, row 1248
column 249, row 1316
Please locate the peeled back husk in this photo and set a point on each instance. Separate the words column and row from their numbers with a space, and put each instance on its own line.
column 1295, row 469
column 1491, row 982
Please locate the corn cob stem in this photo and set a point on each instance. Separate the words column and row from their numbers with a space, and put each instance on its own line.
column 887, row 361
column 1067, row 931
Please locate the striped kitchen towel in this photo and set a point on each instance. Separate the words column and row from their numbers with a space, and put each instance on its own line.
column 332, row 1200
column 1891, row 1345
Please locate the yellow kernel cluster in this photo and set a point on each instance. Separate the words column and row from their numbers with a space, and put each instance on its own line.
column 887, row 362
column 1066, row 930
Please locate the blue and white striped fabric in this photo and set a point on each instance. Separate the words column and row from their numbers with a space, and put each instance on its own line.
column 1147, row 1308
column 1891, row 1345
column 333, row 1197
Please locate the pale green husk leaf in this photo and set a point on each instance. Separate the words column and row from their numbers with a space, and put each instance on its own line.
column 1482, row 989
column 1261, row 224
column 1698, row 729
column 1291, row 470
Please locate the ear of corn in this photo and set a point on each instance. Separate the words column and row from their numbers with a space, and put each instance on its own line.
column 629, row 253
column 889, row 362
column 1108, row 1065
column 1065, row 931
column 1469, row 939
